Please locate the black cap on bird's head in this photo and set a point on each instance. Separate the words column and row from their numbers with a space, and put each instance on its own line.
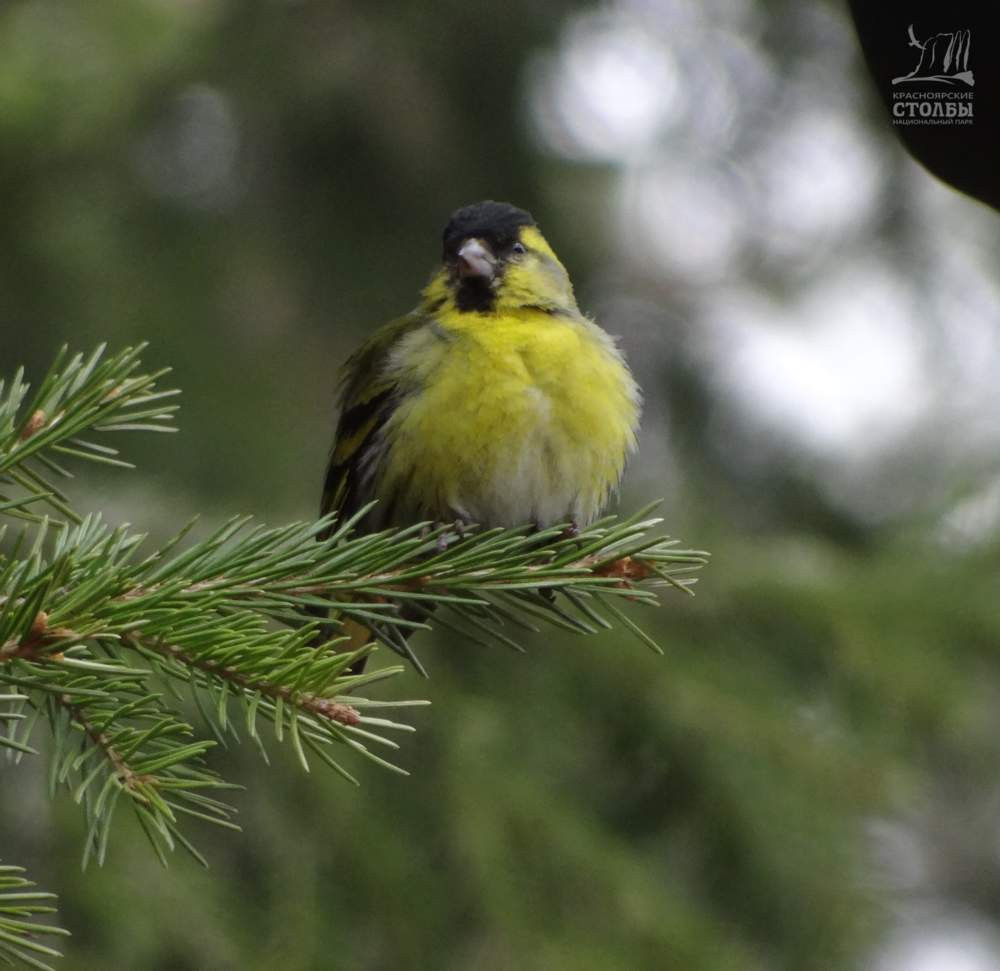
column 495, row 223
column 478, row 242
column 496, row 260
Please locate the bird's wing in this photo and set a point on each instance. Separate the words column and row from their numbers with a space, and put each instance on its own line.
column 368, row 397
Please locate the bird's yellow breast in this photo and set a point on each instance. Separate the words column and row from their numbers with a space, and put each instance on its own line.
column 508, row 419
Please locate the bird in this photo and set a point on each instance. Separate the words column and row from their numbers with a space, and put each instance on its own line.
column 495, row 402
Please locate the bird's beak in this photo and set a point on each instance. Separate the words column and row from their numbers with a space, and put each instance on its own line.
column 476, row 260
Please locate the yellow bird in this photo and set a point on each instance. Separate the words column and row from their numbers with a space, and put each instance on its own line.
column 495, row 402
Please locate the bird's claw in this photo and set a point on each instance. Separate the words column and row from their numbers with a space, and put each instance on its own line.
column 460, row 527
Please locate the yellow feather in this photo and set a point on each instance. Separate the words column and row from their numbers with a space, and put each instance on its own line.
column 522, row 413
column 520, row 416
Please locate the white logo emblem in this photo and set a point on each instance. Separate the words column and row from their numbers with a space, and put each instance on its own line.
column 943, row 57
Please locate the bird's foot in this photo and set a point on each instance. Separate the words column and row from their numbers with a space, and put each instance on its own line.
column 461, row 528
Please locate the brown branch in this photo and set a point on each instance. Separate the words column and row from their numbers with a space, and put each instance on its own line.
column 129, row 779
column 40, row 636
column 628, row 569
column 33, row 646
column 33, row 425
column 324, row 707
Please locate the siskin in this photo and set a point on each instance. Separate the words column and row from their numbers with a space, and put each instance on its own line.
column 494, row 402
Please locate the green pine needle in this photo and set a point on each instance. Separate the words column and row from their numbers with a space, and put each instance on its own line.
column 99, row 634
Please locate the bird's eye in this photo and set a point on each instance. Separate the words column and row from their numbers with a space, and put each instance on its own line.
column 518, row 249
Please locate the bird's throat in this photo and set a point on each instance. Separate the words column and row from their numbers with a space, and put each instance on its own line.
column 476, row 295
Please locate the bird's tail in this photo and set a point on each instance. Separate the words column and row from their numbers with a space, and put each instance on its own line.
column 359, row 636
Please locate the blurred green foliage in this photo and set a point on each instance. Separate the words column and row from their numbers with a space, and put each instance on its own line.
column 253, row 186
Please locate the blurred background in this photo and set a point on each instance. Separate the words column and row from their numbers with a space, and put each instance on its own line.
column 810, row 778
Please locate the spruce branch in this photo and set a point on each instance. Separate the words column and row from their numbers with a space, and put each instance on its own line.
column 79, row 396
column 103, row 638
column 20, row 906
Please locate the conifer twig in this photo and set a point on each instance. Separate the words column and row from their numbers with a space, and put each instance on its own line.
column 101, row 635
column 20, row 906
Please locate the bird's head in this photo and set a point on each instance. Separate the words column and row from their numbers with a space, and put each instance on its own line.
column 495, row 260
